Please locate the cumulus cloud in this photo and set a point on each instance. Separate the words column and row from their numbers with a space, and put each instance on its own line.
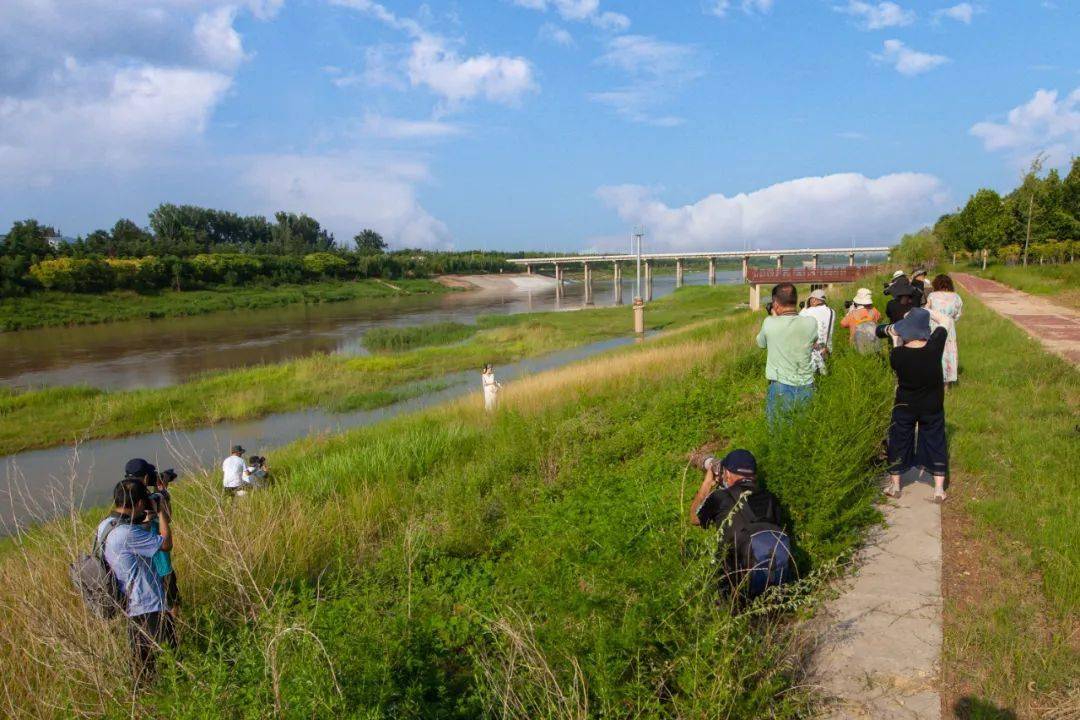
column 964, row 13
column 217, row 40
column 1046, row 123
column 552, row 33
column 434, row 62
column 908, row 61
column 347, row 193
column 813, row 211
column 879, row 16
column 654, row 70
column 580, row 11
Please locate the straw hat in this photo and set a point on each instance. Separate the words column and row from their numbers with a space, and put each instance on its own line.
column 862, row 297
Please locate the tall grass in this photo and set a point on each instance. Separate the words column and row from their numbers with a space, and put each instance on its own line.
column 396, row 339
column 453, row 564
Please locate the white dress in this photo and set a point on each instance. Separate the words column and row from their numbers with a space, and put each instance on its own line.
column 491, row 390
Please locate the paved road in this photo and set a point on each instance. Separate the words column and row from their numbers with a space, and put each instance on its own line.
column 1055, row 326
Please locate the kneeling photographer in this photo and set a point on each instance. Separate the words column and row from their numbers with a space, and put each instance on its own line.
column 157, row 487
column 758, row 550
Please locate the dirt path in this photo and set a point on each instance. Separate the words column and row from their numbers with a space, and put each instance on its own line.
column 1055, row 326
column 880, row 645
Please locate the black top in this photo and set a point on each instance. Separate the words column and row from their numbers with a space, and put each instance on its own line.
column 716, row 507
column 920, row 384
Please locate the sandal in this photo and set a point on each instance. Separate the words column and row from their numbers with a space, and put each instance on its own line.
column 892, row 492
column 939, row 499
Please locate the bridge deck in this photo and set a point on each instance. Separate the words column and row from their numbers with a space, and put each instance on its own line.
column 793, row 252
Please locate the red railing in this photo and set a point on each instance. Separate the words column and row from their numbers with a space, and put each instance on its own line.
column 847, row 274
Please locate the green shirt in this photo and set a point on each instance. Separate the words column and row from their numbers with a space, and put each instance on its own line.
column 789, row 339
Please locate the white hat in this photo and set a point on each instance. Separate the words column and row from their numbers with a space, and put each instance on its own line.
column 818, row 294
column 862, row 297
column 897, row 274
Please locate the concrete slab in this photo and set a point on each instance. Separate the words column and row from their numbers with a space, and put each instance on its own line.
column 880, row 641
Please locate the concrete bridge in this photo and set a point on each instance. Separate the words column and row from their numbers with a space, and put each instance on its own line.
column 648, row 260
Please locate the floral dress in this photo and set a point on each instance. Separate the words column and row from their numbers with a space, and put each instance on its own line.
column 950, row 305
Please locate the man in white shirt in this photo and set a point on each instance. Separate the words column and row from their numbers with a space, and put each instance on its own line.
column 233, row 470
column 826, row 322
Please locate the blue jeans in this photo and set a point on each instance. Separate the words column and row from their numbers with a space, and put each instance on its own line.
column 782, row 399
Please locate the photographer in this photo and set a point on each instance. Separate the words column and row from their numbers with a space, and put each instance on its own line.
column 789, row 338
column 825, row 318
column 861, row 321
column 900, row 282
column 758, row 550
column 157, row 485
column 905, row 298
column 129, row 548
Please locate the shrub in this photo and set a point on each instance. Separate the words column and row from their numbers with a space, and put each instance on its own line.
column 75, row 274
column 227, row 269
column 327, row 265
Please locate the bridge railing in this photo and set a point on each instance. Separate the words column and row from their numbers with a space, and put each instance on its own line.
column 763, row 276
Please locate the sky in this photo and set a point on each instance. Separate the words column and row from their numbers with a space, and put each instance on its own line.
column 555, row 125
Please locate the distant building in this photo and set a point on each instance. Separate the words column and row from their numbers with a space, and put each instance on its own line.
column 55, row 240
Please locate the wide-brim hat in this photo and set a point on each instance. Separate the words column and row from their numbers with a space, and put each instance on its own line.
column 818, row 294
column 914, row 326
column 897, row 274
column 238, row 449
column 863, row 297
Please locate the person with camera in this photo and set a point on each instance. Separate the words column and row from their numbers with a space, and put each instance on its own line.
column 758, row 550
column 900, row 280
column 788, row 337
column 232, row 470
column 825, row 318
column 905, row 297
column 157, row 485
column 129, row 548
column 861, row 321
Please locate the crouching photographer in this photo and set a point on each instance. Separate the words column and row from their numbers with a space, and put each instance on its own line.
column 758, row 551
column 160, row 502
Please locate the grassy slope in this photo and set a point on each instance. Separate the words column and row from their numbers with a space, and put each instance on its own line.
column 1060, row 283
column 339, row 383
column 453, row 564
column 56, row 308
column 396, row 339
column 1016, row 460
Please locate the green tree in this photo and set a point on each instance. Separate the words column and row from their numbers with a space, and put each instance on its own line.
column 28, row 238
column 369, row 242
column 984, row 224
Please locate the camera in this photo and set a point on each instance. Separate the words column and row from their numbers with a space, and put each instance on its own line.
column 168, row 476
column 848, row 304
column 768, row 308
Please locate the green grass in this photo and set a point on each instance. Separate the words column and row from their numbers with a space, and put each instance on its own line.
column 53, row 416
column 56, row 308
column 1015, row 454
column 531, row 564
column 396, row 339
column 1059, row 282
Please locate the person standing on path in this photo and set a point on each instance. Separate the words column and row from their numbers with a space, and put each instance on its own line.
column 825, row 318
column 491, row 388
column 788, row 337
column 919, row 403
column 861, row 321
column 232, row 471
column 947, row 302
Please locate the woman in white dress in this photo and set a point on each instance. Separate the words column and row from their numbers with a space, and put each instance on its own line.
column 949, row 306
column 491, row 387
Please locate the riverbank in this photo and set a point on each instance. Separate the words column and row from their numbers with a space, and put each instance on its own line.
column 532, row 563
column 50, row 309
column 1060, row 283
column 338, row 383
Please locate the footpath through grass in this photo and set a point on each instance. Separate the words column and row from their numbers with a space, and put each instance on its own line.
column 46, row 309
column 337, row 383
column 534, row 563
column 1060, row 283
column 1012, row 526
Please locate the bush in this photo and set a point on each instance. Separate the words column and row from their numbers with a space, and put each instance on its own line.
column 75, row 274
column 326, row 265
column 226, row 269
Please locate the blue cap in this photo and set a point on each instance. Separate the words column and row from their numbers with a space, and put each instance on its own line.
column 138, row 469
column 740, row 462
column 914, row 326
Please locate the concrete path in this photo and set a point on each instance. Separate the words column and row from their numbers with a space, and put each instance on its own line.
column 1055, row 326
column 880, row 641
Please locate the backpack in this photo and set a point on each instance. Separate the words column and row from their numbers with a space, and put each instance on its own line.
column 761, row 551
column 95, row 580
column 865, row 337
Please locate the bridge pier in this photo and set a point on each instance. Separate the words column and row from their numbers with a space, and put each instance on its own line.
column 588, row 284
column 558, row 281
column 678, row 273
column 617, row 283
column 648, row 281
column 528, row 268
column 813, row 260
column 745, row 267
column 712, row 272
column 851, row 259
column 755, row 296
column 779, row 262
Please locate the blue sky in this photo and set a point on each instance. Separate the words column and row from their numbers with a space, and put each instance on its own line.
column 542, row 124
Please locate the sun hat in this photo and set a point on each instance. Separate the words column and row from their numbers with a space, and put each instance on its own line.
column 740, row 462
column 917, row 272
column 238, row 449
column 818, row 294
column 914, row 326
column 863, row 297
column 902, row 288
column 898, row 273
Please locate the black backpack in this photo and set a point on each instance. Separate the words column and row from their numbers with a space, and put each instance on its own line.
column 760, row 550
column 95, row 580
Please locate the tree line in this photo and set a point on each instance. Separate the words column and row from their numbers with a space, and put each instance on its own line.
column 187, row 247
column 1038, row 221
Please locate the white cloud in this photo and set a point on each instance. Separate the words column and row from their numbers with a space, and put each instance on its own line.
column 908, row 61
column 217, row 40
column 655, row 69
column 812, row 211
column 879, row 16
column 346, row 194
column 552, row 33
column 1045, row 123
column 720, row 8
column 964, row 12
column 433, row 63
column 403, row 129
column 580, row 11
